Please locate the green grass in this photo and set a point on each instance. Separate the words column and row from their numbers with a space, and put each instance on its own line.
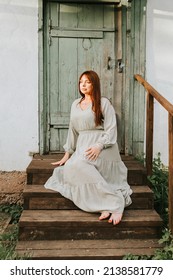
column 7, row 244
column 9, row 238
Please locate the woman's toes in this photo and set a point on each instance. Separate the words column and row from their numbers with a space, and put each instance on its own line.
column 104, row 215
column 115, row 218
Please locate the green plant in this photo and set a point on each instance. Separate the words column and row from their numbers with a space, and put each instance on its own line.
column 9, row 238
column 159, row 184
column 164, row 253
column 14, row 210
column 8, row 243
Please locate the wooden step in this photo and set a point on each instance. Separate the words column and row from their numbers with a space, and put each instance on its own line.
column 86, row 249
column 40, row 169
column 52, row 227
column 37, row 197
column 76, row 224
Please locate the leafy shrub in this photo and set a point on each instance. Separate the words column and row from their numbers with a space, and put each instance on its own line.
column 164, row 253
column 8, row 239
column 14, row 210
column 159, row 184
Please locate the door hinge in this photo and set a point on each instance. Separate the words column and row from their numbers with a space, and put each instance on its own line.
column 50, row 25
column 48, row 130
column 50, row 40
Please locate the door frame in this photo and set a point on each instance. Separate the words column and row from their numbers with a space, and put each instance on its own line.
column 133, row 56
column 41, row 95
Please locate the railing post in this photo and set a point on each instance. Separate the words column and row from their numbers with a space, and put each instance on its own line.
column 149, row 132
column 151, row 94
column 170, row 190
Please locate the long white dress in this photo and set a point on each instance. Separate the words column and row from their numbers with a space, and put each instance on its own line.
column 93, row 185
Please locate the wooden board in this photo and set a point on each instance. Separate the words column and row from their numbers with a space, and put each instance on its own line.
column 86, row 249
column 76, row 224
column 38, row 197
column 78, row 218
column 40, row 169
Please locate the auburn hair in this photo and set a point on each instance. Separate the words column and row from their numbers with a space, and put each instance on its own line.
column 95, row 96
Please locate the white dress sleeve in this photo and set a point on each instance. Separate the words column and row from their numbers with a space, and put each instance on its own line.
column 70, row 145
column 109, row 136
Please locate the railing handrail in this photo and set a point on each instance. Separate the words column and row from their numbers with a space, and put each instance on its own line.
column 162, row 100
column 151, row 94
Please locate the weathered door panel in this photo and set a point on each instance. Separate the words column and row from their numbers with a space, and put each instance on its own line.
column 63, row 90
column 82, row 37
column 76, row 37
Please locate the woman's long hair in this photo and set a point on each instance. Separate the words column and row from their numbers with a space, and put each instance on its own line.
column 95, row 96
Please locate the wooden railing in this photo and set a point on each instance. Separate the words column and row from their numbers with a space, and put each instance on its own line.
column 151, row 94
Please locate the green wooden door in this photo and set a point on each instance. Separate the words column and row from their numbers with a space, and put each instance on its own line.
column 79, row 37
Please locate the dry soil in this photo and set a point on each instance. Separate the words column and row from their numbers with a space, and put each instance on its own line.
column 11, row 187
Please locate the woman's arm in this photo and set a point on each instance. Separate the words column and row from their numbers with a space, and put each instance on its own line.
column 109, row 135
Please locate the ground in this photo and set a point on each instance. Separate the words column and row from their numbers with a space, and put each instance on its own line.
column 11, row 192
column 11, row 187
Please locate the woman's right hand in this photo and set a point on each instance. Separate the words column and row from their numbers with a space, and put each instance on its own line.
column 63, row 160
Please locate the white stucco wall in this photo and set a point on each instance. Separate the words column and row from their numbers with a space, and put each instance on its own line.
column 18, row 83
column 159, row 66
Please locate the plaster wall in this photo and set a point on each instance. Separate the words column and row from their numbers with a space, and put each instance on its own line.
column 159, row 66
column 18, row 83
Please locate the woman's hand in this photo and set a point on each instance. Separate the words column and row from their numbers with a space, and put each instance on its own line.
column 63, row 160
column 93, row 152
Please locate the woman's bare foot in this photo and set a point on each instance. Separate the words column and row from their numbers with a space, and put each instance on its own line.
column 115, row 218
column 104, row 215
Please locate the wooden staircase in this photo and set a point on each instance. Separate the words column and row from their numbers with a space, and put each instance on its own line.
column 52, row 227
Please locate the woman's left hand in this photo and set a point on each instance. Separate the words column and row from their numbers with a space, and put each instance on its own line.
column 92, row 153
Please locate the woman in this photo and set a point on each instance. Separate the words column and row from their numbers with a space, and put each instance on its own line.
column 94, row 177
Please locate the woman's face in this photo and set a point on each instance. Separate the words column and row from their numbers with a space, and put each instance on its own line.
column 85, row 85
